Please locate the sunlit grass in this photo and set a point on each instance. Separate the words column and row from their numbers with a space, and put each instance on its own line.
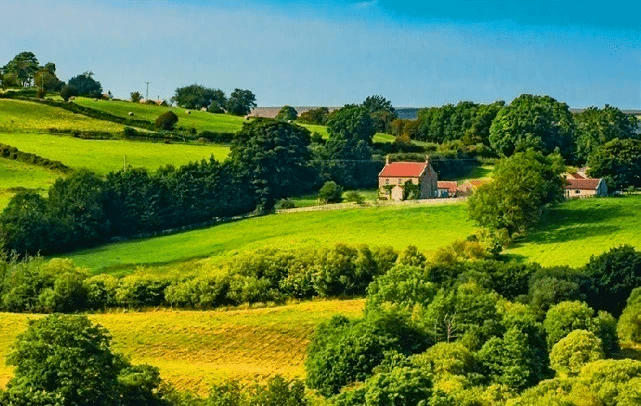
column 15, row 175
column 103, row 156
column 195, row 349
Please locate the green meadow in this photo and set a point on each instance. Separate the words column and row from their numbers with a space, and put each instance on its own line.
column 427, row 227
column 103, row 156
column 16, row 175
column 570, row 233
column 23, row 116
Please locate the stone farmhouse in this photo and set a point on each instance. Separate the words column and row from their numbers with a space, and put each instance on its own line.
column 393, row 177
column 578, row 186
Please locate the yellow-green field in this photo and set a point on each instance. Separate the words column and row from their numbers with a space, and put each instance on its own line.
column 24, row 116
column 14, row 174
column 573, row 231
column 103, row 156
column 195, row 349
column 427, row 227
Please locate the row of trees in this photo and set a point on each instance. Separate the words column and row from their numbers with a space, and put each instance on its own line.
column 240, row 102
column 480, row 333
column 538, row 122
column 24, row 70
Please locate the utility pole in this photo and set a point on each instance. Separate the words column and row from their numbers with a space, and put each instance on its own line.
column 147, row 94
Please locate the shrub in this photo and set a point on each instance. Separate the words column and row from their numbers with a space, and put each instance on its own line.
column 101, row 291
column 285, row 204
column 135, row 97
column 354, row 197
column 141, row 289
column 67, row 91
column 202, row 292
column 166, row 121
column 331, row 192
column 129, row 132
column 629, row 326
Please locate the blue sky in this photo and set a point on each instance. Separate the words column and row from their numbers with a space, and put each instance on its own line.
column 424, row 53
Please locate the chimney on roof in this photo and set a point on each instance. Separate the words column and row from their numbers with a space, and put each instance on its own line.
column 386, row 159
column 427, row 159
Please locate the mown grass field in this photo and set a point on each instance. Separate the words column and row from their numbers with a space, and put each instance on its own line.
column 195, row 349
column 24, row 116
column 369, row 195
column 14, row 175
column 103, row 156
column 427, row 227
column 573, row 231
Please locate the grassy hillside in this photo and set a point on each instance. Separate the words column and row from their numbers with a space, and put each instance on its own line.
column 23, row 116
column 14, row 174
column 424, row 226
column 103, row 156
column 573, row 231
column 200, row 120
column 196, row 349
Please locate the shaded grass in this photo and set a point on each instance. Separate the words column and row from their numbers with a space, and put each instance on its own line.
column 24, row 116
column 573, row 231
column 311, row 199
column 104, row 156
column 195, row 349
column 15, row 175
column 427, row 227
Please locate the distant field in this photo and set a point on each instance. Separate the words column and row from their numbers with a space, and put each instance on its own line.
column 573, row 231
column 427, row 227
column 196, row 349
column 200, row 120
column 23, row 116
column 103, row 156
column 14, row 174
column 369, row 195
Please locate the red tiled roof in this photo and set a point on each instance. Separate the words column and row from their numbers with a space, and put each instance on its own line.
column 403, row 170
column 577, row 175
column 451, row 186
column 583, row 184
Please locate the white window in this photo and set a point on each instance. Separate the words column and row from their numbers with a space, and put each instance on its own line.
column 387, row 181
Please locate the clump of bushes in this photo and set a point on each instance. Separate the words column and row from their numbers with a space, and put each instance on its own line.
column 166, row 121
column 331, row 192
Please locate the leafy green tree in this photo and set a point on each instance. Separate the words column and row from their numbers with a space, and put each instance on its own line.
column 596, row 127
column 550, row 286
column 86, row 85
column 538, row 122
column 331, row 192
column 619, row 162
column 287, row 113
column 615, row 273
column 315, row 116
column 381, row 112
column 522, row 185
column 66, row 358
column 629, row 326
column 23, row 66
column 566, row 317
column 575, row 350
column 67, row 92
column 608, row 379
column 25, row 224
column 343, row 352
column 135, row 97
column 9, row 79
column 273, row 155
column 402, row 287
column 47, row 80
column 166, row 121
column 241, row 102
column 198, row 96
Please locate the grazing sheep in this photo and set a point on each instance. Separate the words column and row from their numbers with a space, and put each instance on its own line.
column 131, row 113
column 187, row 112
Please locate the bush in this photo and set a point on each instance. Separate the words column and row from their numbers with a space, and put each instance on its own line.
column 166, row 121
column 67, row 91
column 629, row 326
column 135, row 97
column 285, row 204
column 354, row 197
column 331, row 192
column 141, row 290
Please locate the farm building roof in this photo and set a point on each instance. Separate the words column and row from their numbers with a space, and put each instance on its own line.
column 451, row 186
column 403, row 169
column 582, row 184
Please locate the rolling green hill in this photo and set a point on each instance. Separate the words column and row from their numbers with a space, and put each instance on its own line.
column 427, row 227
column 103, row 156
column 195, row 349
column 15, row 175
column 23, row 116
column 573, row 231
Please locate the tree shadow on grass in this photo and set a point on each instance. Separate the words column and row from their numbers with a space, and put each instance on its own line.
column 567, row 223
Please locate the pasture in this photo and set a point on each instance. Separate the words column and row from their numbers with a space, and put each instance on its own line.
column 23, row 116
column 573, row 231
column 104, row 156
column 427, row 227
column 15, row 175
column 195, row 349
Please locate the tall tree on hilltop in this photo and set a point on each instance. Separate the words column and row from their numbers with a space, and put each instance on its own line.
column 595, row 127
column 85, row 85
column 24, row 66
